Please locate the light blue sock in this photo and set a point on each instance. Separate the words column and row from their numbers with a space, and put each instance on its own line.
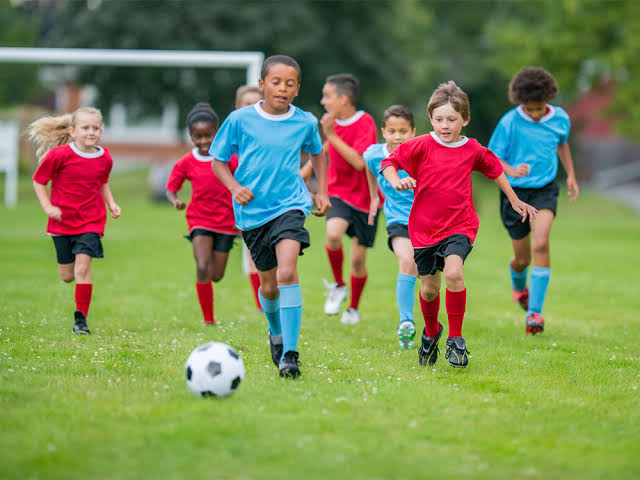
column 405, row 294
column 538, row 288
column 290, row 316
column 518, row 280
column 271, row 309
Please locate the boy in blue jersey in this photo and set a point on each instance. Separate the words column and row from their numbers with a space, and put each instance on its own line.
column 270, row 199
column 397, row 127
column 529, row 139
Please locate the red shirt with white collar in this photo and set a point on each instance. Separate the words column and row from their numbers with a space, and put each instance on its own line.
column 443, row 204
column 210, row 207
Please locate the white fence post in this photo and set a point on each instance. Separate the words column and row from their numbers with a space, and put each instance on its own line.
column 9, row 132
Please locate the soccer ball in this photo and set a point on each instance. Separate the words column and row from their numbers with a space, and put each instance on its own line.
column 214, row 370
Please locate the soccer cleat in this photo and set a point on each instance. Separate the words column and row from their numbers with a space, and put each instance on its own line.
column 336, row 294
column 80, row 326
column 535, row 323
column 522, row 297
column 350, row 316
column 406, row 333
column 457, row 352
column 428, row 351
column 275, row 343
column 288, row 366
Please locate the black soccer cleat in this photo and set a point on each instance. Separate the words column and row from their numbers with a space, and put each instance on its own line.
column 457, row 352
column 80, row 326
column 428, row 351
column 275, row 343
column 289, row 365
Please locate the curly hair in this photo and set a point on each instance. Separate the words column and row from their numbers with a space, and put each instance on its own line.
column 532, row 84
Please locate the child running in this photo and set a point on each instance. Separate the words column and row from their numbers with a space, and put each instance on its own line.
column 397, row 128
column 270, row 199
column 443, row 222
column 210, row 213
column 79, row 173
column 528, row 140
column 353, row 190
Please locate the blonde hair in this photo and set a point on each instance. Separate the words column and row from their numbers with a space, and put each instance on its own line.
column 244, row 89
column 451, row 93
column 49, row 132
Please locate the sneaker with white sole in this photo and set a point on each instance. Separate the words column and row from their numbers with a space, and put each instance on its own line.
column 336, row 294
column 350, row 316
column 406, row 334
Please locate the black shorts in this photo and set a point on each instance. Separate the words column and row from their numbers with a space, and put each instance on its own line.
column 396, row 230
column 261, row 241
column 222, row 242
column 431, row 259
column 68, row 246
column 358, row 221
column 541, row 198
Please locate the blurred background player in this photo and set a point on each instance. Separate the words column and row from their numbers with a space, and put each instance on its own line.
column 353, row 190
column 529, row 139
column 270, row 199
column 443, row 222
column 398, row 127
column 210, row 213
column 79, row 173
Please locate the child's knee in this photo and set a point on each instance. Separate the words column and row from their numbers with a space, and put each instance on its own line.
column 287, row 275
column 541, row 247
column 521, row 262
column 217, row 276
column 67, row 277
column 429, row 292
column 454, row 279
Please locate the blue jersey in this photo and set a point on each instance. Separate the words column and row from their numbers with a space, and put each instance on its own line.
column 268, row 148
column 397, row 204
column 519, row 139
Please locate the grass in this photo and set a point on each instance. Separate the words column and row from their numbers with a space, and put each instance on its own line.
column 114, row 405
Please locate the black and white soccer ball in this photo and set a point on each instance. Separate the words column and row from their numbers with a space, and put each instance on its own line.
column 214, row 369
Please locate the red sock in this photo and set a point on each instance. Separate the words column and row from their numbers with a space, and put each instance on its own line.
column 456, row 305
column 205, row 297
column 83, row 297
column 430, row 313
column 254, row 279
column 357, row 285
column 336, row 257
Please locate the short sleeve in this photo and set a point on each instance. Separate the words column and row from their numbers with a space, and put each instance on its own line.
column 564, row 135
column 401, row 158
column 367, row 137
column 177, row 176
column 48, row 167
column 371, row 159
column 107, row 171
column 312, row 142
column 225, row 143
column 499, row 141
column 487, row 163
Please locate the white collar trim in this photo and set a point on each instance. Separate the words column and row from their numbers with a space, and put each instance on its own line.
column 200, row 158
column 270, row 116
column 459, row 143
column 385, row 150
column 80, row 153
column 547, row 116
column 352, row 119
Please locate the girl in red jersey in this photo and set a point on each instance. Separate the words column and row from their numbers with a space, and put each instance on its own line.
column 210, row 213
column 79, row 173
column 443, row 222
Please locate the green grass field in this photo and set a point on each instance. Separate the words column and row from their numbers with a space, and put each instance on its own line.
column 115, row 405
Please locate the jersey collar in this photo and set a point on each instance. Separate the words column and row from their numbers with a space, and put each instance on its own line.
column 547, row 116
column 352, row 119
column 200, row 158
column 459, row 143
column 80, row 153
column 385, row 150
column 270, row 116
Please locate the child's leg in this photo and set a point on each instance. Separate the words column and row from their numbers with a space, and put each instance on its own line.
column 270, row 299
column 336, row 229
column 456, row 296
column 430, row 302
column 358, row 271
column 287, row 252
column 519, row 264
column 203, row 255
column 407, row 275
column 541, row 270
column 84, row 288
column 66, row 272
column 254, row 280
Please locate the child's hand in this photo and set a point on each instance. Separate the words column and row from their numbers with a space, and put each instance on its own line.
column 115, row 210
column 521, row 170
column 572, row 188
column 326, row 122
column 179, row 204
column 373, row 210
column 525, row 210
column 53, row 212
column 242, row 195
column 406, row 183
column 323, row 204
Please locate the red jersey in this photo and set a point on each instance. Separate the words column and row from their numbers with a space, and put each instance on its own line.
column 210, row 207
column 344, row 181
column 76, row 180
column 443, row 204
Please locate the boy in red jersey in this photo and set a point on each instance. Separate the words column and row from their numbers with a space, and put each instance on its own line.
column 210, row 213
column 353, row 190
column 79, row 173
column 443, row 222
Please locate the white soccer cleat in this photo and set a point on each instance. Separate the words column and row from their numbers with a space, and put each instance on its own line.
column 335, row 296
column 350, row 316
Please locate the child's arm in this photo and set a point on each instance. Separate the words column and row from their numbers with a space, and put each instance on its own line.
column 348, row 153
column 524, row 209
column 108, row 197
column 306, row 170
column 319, row 162
column 372, row 183
column 175, row 201
column 521, row 170
column 391, row 174
column 51, row 210
column 241, row 195
column 564, row 153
